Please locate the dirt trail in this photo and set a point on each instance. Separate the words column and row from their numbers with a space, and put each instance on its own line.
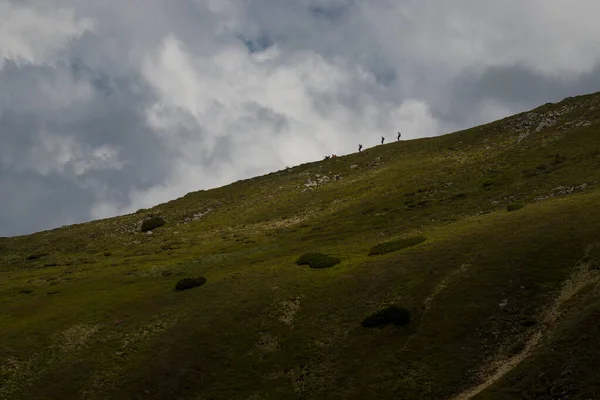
column 581, row 277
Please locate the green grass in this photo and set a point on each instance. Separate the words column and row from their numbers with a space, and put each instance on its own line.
column 90, row 311
column 389, row 247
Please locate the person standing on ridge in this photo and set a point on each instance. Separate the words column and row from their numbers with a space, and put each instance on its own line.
column 359, row 148
column 399, row 135
column 382, row 139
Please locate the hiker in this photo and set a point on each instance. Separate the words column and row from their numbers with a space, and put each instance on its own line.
column 399, row 135
column 359, row 148
column 382, row 139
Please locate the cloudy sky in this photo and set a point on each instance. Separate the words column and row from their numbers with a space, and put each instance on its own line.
column 110, row 106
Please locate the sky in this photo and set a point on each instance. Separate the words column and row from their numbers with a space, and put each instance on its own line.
column 110, row 106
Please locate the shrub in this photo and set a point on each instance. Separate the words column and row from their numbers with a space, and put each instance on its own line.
column 388, row 247
column 389, row 315
column 35, row 256
column 317, row 260
column 190, row 283
column 514, row 207
column 152, row 223
column 51, row 264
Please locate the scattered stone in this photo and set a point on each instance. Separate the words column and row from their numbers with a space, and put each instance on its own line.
column 319, row 181
column 522, row 136
column 568, row 190
column 198, row 215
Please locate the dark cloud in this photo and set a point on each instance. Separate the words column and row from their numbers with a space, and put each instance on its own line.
column 31, row 202
column 512, row 88
column 51, row 160
column 333, row 12
column 256, row 45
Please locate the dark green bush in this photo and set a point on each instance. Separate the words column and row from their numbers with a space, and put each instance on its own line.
column 51, row 264
column 388, row 247
column 190, row 283
column 514, row 207
column 389, row 315
column 317, row 260
column 35, row 256
column 152, row 223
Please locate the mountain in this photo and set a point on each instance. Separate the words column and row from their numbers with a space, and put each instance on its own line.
column 482, row 245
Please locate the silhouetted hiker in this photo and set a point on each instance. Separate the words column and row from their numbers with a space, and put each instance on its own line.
column 382, row 139
column 360, row 147
column 399, row 135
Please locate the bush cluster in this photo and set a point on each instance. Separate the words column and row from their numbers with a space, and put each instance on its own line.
column 35, row 256
column 190, row 283
column 317, row 260
column 389, row 315
column 152, row 223
column 514, row 207
column 388, row 247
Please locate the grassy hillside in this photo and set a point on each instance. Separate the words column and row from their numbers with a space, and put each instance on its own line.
column 495, row 254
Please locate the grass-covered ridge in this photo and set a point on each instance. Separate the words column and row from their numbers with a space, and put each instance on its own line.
column 503, row 294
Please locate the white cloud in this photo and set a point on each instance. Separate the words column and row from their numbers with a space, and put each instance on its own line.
column 54, row 153
column 550, row 36
column 27, row 35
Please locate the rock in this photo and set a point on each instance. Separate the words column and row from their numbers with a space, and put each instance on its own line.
column 354, row 166
column 522, row 136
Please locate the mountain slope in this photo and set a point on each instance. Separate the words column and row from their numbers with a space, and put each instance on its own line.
column 503, row 304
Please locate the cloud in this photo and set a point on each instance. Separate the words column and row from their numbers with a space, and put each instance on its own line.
column 37, row 37
column 107, row 107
